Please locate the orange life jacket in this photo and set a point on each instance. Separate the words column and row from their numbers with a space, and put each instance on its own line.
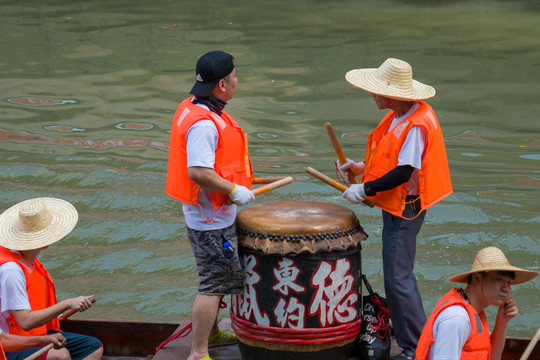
column 382, row 153
column 477, row 346
column 232, row 160
column 2, row 354
column 41, row 293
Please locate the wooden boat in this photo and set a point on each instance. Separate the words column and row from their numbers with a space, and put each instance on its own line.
column 138, row 340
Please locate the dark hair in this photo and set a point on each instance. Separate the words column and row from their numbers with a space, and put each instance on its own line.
column 510, row 274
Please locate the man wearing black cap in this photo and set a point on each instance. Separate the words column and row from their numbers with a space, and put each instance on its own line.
column 208, row 165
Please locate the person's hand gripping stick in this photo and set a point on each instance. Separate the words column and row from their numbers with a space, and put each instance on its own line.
column 241, row 195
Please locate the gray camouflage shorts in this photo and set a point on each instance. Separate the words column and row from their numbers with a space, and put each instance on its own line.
column 218, row 275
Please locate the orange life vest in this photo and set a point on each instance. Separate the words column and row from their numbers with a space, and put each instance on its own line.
column 382, row 153
column 477, row 346
column 41, row 293
column 232, row 160
column 2, row 354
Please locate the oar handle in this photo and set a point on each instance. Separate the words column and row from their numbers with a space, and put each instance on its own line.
column 530, row 347
column 267, row 180
column 41, row 351
column 68, row 314
column 318, row 175
column 339, row 151
column 266, row 188
column 273, row 185
column 71, row 312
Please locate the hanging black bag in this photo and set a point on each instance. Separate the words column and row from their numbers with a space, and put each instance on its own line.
column 374, row 339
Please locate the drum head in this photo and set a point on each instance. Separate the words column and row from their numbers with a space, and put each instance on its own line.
column 297, row 227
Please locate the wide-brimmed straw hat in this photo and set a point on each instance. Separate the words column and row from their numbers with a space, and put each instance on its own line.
column 36, row 223
column 393, row 79
column 493, row 259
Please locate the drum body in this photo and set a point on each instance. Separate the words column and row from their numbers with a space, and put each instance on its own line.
column 301, row 281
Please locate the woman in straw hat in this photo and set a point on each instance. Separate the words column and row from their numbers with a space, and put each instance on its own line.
column 405, row 172
column 457, row 328
column 28, row 304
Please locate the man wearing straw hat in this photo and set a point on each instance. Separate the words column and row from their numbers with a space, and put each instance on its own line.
column 457, row 328
column 405, row 172
column 208, row 165
column 28, row 304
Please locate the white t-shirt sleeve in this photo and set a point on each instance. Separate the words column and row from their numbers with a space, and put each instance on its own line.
column 13, row 294
column 451, row 330
column 202, row 139
column 413, row 148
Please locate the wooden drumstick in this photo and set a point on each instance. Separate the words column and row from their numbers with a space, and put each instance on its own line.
column 273, row 185
column 318, row 175
column 342, row 158
column 267, row 180
column 266, row 188
column 41, row 351
column 339, row 151
column 333, row 183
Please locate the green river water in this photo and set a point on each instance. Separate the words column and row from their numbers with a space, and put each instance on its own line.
column 120, row 68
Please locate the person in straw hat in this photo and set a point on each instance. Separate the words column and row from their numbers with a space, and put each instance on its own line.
column 28, row 304
column 405, row 172
column 457, row 328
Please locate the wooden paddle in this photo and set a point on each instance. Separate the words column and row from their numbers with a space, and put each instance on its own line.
column 270, row 186
column 318, row 175
column 531, row 346
column 71, row 312
column 42, row 351
column 342, row 158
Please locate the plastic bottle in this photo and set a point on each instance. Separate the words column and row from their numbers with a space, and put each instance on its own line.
column 228, row 250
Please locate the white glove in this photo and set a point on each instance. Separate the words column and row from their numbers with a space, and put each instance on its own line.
column 355, row 193
column 356, row 168
column 241, row 195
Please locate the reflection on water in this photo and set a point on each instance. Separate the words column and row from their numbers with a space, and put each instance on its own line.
column 89, row 90
column 36, row 101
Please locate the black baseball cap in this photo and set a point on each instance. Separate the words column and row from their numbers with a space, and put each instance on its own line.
column 211, row 67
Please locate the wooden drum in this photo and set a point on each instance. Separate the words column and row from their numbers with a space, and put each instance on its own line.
column 302, row 272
